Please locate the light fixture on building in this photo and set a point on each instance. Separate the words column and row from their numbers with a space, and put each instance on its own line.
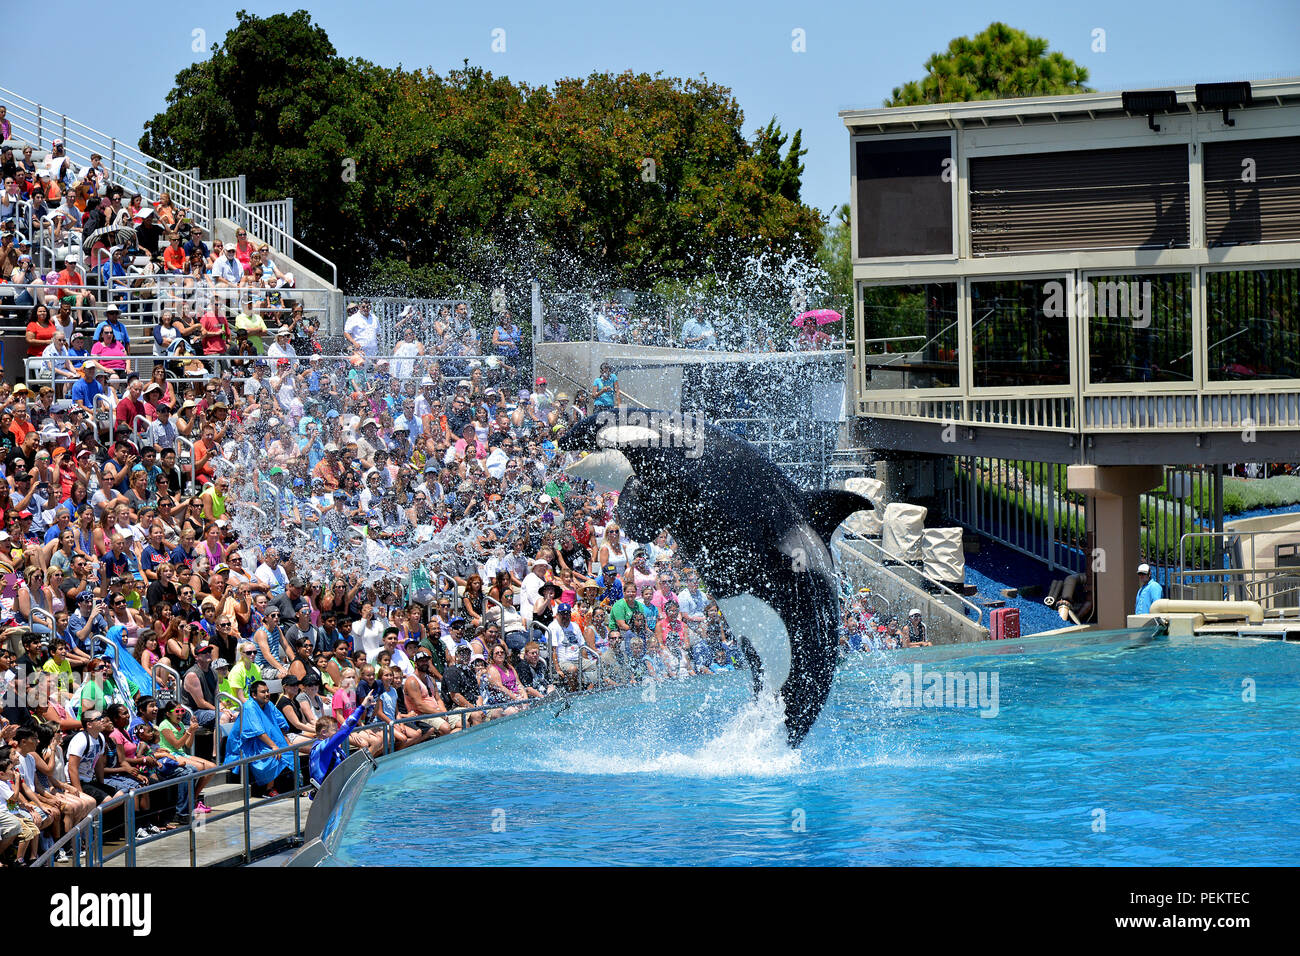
column 1148, row 103
column 1223, row 96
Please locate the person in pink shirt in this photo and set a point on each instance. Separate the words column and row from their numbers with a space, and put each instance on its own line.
column 109, row 352
column 343, row 703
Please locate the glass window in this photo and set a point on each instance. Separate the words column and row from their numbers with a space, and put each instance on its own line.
column 1015, row 341
column 1139, row 327
column 905, row 192
column 1253, row 322
column 911, row 335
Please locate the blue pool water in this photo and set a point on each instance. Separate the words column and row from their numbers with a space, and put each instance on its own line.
column 1154, row 734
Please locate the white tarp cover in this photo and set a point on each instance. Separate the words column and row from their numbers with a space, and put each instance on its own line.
column 901, row 536
column 866, row 523
column 942, row 554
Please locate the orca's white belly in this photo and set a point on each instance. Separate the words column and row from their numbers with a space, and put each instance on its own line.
column 751, row 617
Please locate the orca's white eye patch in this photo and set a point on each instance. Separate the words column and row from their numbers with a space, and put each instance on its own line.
column 616, row 435
column 608, row 468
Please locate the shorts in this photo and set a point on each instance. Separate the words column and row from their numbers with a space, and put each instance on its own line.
column 515, row 640
column 95, row 790
column 206, row 718
column 10, row 825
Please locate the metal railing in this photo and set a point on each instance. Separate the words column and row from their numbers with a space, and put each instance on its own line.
column 136, row 171
column 93, row 827
column 1235, row 572
column 501, row 621
column 123, row 164
column 267, row 231
column 584, row 650
column 424, row 315
column 787, row 443
column 239, row 706
column 278, row 212
column 653, row 321
column 453, row 592
column 891, row 561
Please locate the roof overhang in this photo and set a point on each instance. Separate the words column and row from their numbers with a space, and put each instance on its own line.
column 1037, row 109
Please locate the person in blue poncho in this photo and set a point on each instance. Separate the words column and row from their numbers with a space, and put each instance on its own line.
column 261, row 729
column 327, row 752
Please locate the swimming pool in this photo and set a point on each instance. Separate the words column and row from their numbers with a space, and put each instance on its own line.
column 1125, row 751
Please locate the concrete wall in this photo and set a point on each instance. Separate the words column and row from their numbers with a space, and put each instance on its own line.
column 944, row 616
column 332, row 320
column 651, row 376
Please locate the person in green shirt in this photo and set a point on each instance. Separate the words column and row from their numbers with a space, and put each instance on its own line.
column 620, row 615
column 58, row 664
column 222, row 670
column 251, row 321
column 244, row 673
column 98, row 690
column 557, row 489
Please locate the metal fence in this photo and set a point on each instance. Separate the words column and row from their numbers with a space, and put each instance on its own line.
column 802, row 448
column 437, row 322
column 266, row 230
column 1026, row 506
column 642, row 318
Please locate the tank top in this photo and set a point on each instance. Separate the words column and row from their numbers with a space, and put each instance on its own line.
column 207, row 681
column 617, row 555
column 508, row 680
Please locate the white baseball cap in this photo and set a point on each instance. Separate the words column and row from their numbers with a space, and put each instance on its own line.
column 1144, row 569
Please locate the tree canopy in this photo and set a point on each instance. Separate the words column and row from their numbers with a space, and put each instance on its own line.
column 631, row 177
column 999, row 63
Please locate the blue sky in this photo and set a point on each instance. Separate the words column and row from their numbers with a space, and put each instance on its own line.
column 856, row 51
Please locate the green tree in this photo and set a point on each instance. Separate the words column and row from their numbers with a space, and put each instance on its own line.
column 1000, row 63
column 626, row 178
column 835, row 256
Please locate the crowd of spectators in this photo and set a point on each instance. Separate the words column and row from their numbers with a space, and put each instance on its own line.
column 865, row 628
column 298, row 533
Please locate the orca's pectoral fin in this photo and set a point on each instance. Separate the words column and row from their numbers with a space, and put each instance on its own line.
column 827, row 509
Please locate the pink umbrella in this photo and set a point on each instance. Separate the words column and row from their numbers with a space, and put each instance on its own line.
column 823, row 316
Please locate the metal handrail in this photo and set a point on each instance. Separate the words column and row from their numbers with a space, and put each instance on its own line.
column 188, row 446
column 584, row 649
column 112, row 411
column 239, row 706
column 979, row 611
column 268, row 231
column 454, row 590
column 501, row 622
column 125, row 165
column 132, row 843
column 176, row 675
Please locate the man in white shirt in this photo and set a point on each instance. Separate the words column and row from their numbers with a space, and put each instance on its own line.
column 389, row 643
column 533, row 582
column 281, row 347
column 362, row 330
column 228, row 271
column 368, row 632
column 565, row 639
column 691, row 600
column 270, row 573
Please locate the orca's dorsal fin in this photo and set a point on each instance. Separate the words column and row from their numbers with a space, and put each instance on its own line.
column 827, row 509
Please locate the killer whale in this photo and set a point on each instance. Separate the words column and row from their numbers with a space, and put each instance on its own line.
column 757, row 540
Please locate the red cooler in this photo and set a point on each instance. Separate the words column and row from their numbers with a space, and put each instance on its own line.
column 1004, row 624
